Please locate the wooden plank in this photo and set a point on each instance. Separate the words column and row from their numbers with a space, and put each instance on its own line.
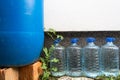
column 9, row 74
column 30, row 72
column 2, row 75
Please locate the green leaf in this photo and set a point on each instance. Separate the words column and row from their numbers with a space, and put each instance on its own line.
column 42, row 59
column 55, row 60
column 52, row 31
column 44, row 66
column 51, row 49
column 50, row 35
column 54, row 69
column 46, row 51
column 46, row 75
column 52, row 46
column 60, row 37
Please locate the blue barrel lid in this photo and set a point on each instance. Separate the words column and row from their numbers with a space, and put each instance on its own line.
column 74, row 40
column 110, row 39
column 90, row 39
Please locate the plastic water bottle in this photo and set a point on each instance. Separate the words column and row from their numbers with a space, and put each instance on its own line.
column 59, row 54
column 91, row 59
column 110, row 58
column 74, row 60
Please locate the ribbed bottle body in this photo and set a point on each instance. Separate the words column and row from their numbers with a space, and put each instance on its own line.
column 91, row 61
column 74, row 60
column 59, row 54
column 110, row 59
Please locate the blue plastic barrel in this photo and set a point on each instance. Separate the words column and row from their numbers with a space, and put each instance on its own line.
column 21, row 31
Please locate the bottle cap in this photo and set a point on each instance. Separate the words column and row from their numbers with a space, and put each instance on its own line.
column 74, row 40
column 90, row 39
column 57, row 41
column 110, row 39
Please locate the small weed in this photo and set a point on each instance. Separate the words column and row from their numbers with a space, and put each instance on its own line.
column 46, row 60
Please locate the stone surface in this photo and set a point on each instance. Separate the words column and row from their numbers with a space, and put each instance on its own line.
column 77, row 78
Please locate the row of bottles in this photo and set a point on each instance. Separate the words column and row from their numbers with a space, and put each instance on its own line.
column 90, row 61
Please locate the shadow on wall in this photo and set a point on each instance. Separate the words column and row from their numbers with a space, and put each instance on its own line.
column 99, row 35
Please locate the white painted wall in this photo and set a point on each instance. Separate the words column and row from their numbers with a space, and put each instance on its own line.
column 82, row 15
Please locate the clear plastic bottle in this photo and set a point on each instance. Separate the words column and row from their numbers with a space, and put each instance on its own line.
column 74, row 60
column 110, row 58
column 91, row 59
column 58, row 53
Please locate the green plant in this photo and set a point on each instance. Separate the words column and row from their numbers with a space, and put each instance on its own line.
column 103, row 77
column 47, row 51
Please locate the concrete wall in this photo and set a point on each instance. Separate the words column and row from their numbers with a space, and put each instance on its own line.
column 82, row 15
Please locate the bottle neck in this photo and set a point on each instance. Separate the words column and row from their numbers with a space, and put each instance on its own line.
column 57, row 44
column 74, row 44
column 110, row 43
column 91, row 44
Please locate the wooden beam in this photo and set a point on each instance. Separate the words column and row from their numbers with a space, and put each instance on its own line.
column 9, row 74
column 30, row 72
